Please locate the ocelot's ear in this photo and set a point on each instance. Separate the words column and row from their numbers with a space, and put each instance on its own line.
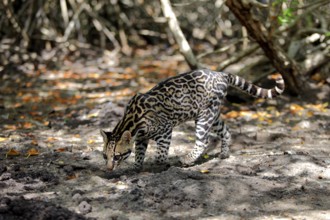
column 104, row 135
column 126, row 137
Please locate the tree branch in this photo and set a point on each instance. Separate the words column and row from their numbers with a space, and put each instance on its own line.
column 276, row 55
column 237, row 57
column 178, row 35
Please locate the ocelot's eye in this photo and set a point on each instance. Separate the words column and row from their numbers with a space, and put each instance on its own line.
column 117, row 157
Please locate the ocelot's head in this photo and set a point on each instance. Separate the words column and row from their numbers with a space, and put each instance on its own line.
column 116, row 149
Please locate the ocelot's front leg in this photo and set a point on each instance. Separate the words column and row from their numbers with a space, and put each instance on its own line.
column 163, row 144
column 140, row 150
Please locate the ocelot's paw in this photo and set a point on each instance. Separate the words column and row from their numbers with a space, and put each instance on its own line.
column 187, row 160
column 224, row 155
column 137, row 167
column 160, row 167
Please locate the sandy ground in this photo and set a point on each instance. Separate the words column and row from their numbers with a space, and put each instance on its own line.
column 274, row 172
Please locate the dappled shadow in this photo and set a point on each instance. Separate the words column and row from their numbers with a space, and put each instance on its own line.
column 22, row 209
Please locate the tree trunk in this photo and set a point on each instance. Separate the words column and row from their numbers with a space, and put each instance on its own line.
column 286, row 66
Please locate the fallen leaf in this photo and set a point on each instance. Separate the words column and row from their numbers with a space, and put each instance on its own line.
column 62, row 149
column 90, row 141
column 10, row 127
column 310, row 114
column 296, row 128
column 317, row 77
column 318, row 107
column 93, row 115
column 32, row 152
column 206, row 156
column 27, row 125
column 51, row 139
column 232, row 114
column 34, row 142
column 296, row 109
column 12, row 152
column 71, row 177
column 204, row 171
column 191, row 138
column 3, row 139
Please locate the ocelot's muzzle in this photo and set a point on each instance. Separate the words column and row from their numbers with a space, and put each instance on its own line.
column 116, row 160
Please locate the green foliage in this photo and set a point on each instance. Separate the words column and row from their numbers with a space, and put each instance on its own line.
column 287, row 15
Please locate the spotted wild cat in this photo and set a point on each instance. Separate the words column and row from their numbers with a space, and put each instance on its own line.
column 195, row 95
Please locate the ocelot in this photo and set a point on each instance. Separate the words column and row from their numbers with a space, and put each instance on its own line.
column 195, row 95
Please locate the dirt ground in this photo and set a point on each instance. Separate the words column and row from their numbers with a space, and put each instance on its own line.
column 279, row 166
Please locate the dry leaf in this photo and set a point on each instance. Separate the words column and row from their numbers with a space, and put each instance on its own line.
column 232, row 114
column 317, row 77
column 71, row 177
column 93, row 115
column 32, row 152
column 12, row 152
column 62, row 149
column 191, row 138
column 318, row 107
column 204, row 171
column 3, row 139
column 310, row 114
column 27, row 125
column 90, row 141
column 296, row 109
column 51, row 139
column 10, row 127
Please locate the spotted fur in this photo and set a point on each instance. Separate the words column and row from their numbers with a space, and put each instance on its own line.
column 195, row 95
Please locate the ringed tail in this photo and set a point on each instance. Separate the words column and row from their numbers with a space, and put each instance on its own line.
column 257, row 91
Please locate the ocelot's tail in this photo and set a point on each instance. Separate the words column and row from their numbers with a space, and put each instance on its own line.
column 257, row 91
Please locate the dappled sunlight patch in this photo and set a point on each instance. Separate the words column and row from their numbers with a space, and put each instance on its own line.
column 261, row 116
column 286, row 205
column 305, row 168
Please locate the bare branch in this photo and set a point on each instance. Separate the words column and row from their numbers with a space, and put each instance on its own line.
column 237, row 57
column 14, row 22
column 178, row 35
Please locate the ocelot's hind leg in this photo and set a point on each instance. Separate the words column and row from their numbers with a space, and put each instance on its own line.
column 221, row 129
column 204, row 124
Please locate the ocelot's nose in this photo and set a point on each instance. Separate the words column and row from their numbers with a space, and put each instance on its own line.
column 110, row 165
